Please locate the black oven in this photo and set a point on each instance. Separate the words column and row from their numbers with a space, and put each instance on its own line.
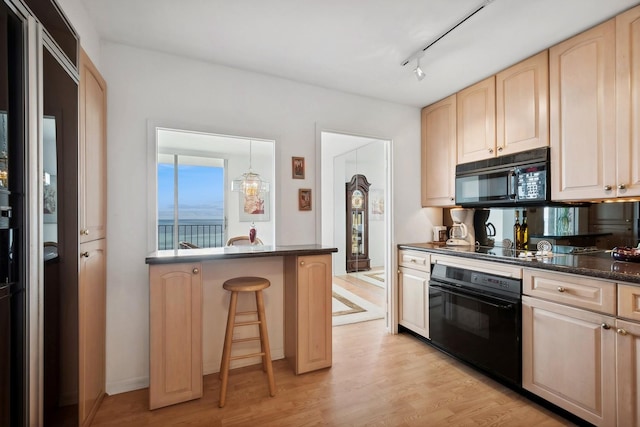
column 476, row 317
column 514, row 180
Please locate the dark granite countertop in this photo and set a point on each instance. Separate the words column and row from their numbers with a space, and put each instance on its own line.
column 597, row 264
column 230, row 252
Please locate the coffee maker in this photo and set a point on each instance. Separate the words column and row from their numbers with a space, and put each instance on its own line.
column 485, row 231
column 462, row 231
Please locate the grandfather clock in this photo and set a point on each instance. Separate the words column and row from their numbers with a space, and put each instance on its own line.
column 357, row 247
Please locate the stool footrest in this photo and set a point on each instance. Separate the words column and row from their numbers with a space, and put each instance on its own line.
column 245, row 313
column 246, row 356
column 247, row 323
column 246, row 339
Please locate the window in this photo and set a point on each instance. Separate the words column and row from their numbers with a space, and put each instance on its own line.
column 193, row 205
column 190, row 202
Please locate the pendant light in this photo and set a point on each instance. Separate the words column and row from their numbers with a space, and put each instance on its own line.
column 250, row 183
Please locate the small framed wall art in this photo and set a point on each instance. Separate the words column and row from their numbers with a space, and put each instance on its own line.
column 297, row 167
column 304, row 199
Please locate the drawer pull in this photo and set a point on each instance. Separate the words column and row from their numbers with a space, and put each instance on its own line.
column 622, row 331
column 605, row 326
column 413, row 260
column 301, row 262
column 561, row 289
column 84, row 254
column 195, row 270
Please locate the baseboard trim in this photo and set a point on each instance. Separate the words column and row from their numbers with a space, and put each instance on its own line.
column 130, row 384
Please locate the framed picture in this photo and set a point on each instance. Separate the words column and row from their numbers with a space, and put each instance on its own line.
column 254, row 208
column 297, row 167
column 376, row 205
column 304, row 199
column 50, row 203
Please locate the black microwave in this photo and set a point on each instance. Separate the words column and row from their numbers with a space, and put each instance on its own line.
column 520, row 179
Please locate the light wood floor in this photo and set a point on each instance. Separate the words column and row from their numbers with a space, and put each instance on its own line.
column 376, row 379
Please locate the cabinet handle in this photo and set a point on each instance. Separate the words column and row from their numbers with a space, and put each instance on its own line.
column 622, row 331
column 561, row 289
column 413, row 260
column 195, row 270
column 607, row 188
column 451, row 198
column 84, row 232
column 490, row 150
column 84, row 254
column 621, row 187
column 301, row 262
column 605, row 326
column 499, row 148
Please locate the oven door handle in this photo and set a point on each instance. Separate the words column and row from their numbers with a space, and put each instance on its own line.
column 470, row 296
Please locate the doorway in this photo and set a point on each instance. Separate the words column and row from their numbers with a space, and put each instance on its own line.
column 355, row 183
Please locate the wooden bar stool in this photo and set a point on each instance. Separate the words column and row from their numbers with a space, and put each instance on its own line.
column 246, row 284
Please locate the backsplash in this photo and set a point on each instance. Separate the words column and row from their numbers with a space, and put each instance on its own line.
column 604, row 225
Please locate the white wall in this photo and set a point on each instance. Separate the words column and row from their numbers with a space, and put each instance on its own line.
column 145, row 85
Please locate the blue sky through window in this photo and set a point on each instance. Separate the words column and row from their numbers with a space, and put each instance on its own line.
column 200, row 192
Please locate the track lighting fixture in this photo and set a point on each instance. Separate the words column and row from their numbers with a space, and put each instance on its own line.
column 420, row 53
column 418, row 71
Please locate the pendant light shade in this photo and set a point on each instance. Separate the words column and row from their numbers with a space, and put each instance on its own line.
column 250, row 183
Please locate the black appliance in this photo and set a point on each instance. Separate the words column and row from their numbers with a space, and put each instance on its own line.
column 520, row 179
column 13, row 308
column 476, row 317
column 485, row 231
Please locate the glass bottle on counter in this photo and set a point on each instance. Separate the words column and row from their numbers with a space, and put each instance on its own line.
column 524, row 231
column 517, row 234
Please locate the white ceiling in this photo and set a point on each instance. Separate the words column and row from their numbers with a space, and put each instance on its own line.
column 354, row 46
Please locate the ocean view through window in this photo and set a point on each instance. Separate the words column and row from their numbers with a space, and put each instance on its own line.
column 190, row 202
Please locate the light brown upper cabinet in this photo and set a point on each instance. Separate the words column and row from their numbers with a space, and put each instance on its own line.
column 476, row 121
column 628, row 103
column 93, row 151
column 439, row 153
column 594, row 96
column 522, row 99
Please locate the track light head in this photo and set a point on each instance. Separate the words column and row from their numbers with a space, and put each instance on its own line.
column 418, row 71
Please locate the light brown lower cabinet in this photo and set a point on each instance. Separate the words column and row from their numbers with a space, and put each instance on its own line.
column 307, row 303
column 175, row 336
column 413, row 295
column 569, row 359
column 92, row 295
column 628, row 372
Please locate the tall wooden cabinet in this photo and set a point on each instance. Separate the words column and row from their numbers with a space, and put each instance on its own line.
column 438, row 153
column 628, row 103
column 476, row 121
column 308, row 338
column 92, row 223
column 175, row 333
column 582, row 114
column 522, row 112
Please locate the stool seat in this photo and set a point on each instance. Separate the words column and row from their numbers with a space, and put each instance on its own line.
column 237, row 285
column 246, row 284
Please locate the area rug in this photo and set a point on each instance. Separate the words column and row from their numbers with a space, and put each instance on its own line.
column 349, row 308
column 375, row 277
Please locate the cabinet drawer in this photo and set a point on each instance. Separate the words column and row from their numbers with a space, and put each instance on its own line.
column 629, row 302
column 414, row 259
column 570, row 289
column 484, row 266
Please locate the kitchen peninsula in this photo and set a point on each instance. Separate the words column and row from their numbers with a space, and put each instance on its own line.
column 188, row 311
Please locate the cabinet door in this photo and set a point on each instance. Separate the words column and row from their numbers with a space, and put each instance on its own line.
column 582, row 115
column 476, row 121
column 314, row 313
column 93, row 151
column 175, row 341
column 438, row 151
column 628, row 373
column 92, row 328
column 413, row 294
column 568, row 358
column 628, row 102
column 522, row 99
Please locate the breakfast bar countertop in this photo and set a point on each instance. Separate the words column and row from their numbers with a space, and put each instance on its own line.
column 172, row 256
column 598, row 264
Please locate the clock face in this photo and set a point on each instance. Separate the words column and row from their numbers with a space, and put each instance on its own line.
column 357, row 199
